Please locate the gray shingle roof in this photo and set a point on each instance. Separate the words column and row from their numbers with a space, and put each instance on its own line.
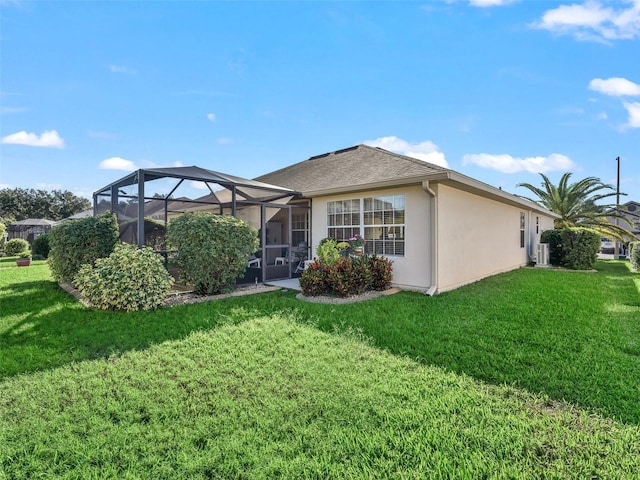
column 351, row 167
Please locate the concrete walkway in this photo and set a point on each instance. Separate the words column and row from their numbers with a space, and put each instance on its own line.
column 290, row 283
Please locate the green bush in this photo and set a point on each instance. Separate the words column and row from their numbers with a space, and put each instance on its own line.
column 575, row 248
column 580, row 248
column 131, row 278
column 634, row 255
column 554, row 239
column 78, row 242
column 15, row 246
column 328, row 252
column 211, row 250
column 3, row 229
column 346, row 276
column 40, row 245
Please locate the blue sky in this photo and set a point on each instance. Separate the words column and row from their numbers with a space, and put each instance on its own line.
column 497, row 90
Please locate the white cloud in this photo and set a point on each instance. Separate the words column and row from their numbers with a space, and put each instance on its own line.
column 211, row 117
column 615, row 87
column 5, row 185
column 508, row 164
column 49, row 138
column 122, row 69
column 633, row 108
column 593, row 21
column 490, row 3
column 426, row 151
column 117, row 163
column 602, row 116
column 225, row 141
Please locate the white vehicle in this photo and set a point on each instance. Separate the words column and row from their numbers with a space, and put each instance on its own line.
column 606, row 246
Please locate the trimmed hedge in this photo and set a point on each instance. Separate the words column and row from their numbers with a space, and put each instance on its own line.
column 211, row 250
column 16, row 246
column 634, row 255
column 78, row 242
column 575, row 248
column 346, row 276
column 129, row 279
column 554, row 239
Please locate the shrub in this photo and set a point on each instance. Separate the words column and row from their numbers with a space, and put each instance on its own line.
column 349, row 276
column 346, row 276
column 15, row 246
column 3, row 229
column 313, row 280
column 575, row 248
column 554, row 239
column 131, row 278
column 580, row 248
column 328, row 252
column 211, row 250
column 40, row 245
column 634, row 255
column 381, row 272
column 78, row 242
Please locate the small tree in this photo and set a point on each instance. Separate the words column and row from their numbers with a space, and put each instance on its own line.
column 78, row 242
column 211, row 250
column 41, row 245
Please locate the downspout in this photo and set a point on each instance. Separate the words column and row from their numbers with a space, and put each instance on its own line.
column 433, row 289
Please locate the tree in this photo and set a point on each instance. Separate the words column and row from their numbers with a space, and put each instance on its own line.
column 577, row 204
column 20, row 204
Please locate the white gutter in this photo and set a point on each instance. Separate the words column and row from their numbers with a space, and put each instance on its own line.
column 433, row 289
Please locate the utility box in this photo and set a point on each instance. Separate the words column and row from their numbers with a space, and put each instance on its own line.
column 543, row 255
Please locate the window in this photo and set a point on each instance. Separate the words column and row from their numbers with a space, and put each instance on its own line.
column 537, row 225
column 343, row 219
column 299, row 228
column 522, row 230
column 381, row 221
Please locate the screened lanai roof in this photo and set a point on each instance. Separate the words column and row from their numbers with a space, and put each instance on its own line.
column 248, row 189
column 130, row 197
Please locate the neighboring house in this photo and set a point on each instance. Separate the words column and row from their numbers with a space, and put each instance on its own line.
column 631, row 212
column 78, row 216
column 441, row 228
column 29, row 229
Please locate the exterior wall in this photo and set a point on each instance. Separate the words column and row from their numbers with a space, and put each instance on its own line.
column 479, row 237
column 413, row 271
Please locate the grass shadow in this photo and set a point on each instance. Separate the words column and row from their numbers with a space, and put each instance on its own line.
column 569, row 335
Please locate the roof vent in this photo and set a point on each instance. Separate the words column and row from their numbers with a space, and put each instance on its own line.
column 346, row 150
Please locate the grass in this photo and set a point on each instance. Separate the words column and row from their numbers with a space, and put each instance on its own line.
column 267, row 386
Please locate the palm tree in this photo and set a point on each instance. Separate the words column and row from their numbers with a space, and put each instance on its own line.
column 576, row 203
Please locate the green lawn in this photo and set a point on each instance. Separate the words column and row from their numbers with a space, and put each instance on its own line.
column 468, row 384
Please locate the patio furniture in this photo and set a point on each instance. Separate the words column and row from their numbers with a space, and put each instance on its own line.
column 254, row 262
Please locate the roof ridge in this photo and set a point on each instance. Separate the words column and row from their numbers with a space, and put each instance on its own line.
column 417, row 161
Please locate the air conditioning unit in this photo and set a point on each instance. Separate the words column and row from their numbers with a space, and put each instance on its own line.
column 543, row 255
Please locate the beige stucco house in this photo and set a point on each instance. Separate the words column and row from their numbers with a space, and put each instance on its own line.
column 442, row 229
